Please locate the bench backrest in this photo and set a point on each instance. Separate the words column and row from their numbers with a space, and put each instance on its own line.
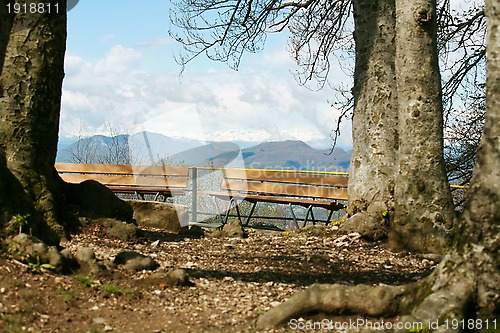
column 285, row 183
column 126, row 176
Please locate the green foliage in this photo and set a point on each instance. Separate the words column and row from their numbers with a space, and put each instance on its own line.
column 12, row 248
column 18, row 222
column 37, row 265
column 109, row 289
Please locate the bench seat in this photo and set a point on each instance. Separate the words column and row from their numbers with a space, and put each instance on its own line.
column 126, row 179
column 309, row 190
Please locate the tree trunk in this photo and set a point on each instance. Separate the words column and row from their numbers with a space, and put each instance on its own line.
column 424, row 212
column 9, row 187
column 30, row 102
column 6, row 20
column 464, row 287
column 397, row 180
column 374, row 124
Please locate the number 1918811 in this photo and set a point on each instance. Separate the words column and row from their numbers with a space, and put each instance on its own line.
column 33, row 8
column 470, row 324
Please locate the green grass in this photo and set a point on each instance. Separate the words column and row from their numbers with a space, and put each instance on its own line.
column 85, row 281
column 11, row 323
column 112, row 289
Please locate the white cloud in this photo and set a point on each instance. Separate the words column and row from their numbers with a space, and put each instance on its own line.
column 260, row 102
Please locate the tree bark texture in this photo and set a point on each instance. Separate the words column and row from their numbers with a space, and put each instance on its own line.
column 424, row 208
column 30, row 102
column 9, row 186
column 464, row 286
column 6, row 20
column 397, row 183
column 371, row 185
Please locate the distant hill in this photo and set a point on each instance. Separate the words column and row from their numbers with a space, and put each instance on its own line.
column 294, row 155
column 141, row 148
column 151, row 148
column 95, row 149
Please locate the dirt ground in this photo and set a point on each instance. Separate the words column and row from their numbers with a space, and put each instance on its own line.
column 234, row 281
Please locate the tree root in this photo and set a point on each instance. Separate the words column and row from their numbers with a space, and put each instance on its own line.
column 372, row 301
column 451, row 292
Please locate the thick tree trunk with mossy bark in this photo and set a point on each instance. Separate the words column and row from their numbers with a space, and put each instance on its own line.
column 464, row 286
column 31, row 83
column 9, row 186
column 397, row 182
column 374, row 124
column 30, row 100
column 424, row 213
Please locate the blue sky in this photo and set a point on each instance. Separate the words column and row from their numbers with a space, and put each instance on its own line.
column 121, row 77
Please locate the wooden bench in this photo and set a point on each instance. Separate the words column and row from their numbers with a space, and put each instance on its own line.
column 306, row 189
column 159, row 181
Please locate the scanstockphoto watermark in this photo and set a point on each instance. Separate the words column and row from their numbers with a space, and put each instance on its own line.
column 358, row 324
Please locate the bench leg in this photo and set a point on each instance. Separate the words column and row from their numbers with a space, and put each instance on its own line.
column 250, row 214
column 329, row 217
column 218, row 210
column 228, row 210
column 309, row 211
column 235, row 203
column 312, row 216
column 293, row 216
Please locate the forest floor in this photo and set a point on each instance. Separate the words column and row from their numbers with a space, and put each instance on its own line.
column 234, row 281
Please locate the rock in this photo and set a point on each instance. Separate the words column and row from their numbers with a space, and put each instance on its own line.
column 97, row 201
column 99, row 321
column 370, row 226
column 134, row 261
column 87, row 261
column 173, row 278
column 34, row 251
column 230, row 229
column 161, row 215
column 119, row 229
column 178, row 277
column 194, row 231
column 234, row 229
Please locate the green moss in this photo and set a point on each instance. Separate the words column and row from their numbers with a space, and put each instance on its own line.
column 112, row 289
column 416, row 329
column 68, row 296
column 339, row 221
column 424, row 294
